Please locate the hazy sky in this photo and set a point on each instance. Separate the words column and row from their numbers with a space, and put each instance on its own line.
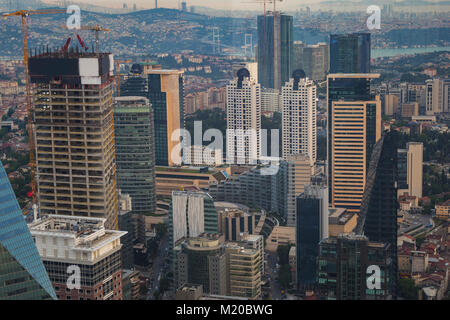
column 219, row 4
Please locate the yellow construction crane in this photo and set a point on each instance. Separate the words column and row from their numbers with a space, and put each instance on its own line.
column 97, row 29
column 24, row 14
column 118, row 75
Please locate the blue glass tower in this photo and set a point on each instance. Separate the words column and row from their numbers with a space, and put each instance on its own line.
column 22, row 273
column 350, row 53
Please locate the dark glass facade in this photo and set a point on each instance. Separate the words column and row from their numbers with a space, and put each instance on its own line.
column 380, row 204
column 350, row 53
column 342, row 268
column 135, row 155
column 308, row 238
column 22, row 273
column 266, row 53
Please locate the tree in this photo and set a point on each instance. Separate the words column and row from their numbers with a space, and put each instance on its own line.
column 407, row 289
column 283, row 254
column 285, row 275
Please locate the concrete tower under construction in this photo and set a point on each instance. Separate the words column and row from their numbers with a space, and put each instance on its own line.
column 74, row 134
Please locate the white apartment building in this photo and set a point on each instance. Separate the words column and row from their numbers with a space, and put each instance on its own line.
column 299, row 105
column 243, row 119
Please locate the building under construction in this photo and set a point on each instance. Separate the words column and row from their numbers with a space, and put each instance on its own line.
column 74, row 133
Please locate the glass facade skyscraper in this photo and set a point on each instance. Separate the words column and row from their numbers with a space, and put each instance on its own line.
column 350, row 53
column 166, row 94
column 135, row 152
column 275, row 66
column 22, row 272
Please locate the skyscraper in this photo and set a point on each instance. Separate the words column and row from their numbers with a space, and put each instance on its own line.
column 68, row 243
column 350, row 53
column 243, row 119
column 410, row 169
column 135, row 152
column 73, row 121
column 275, row 49
column 316, row 61
column 354, row 126
column 202, row 261
column 191, row 214
column 299, row 169
column 299, row 105
column 166, row 94
column 378, row 217
column 312, row 227
column 343, row 264
column 22, row 273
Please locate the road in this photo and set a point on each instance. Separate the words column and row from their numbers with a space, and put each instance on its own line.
column 272, row 260
column 158, row 268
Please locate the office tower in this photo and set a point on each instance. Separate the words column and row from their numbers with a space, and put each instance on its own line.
column 126, row 224
column 316, row 61
column 391, row 104
column 73, row 121
column 255, row 241
column 70, row 243
column 22, row 273
column 299, row 47
column 312, row 227
column 243, row 119
column 410, row 169
column 299, row 105
column 191, row 214
column 378, row 217
column 166, row 95
column 437, row 96
column 135, row 152
column 410, row 109
column 275, row 49
column 135, row 84
column 299, row 171
column 244, row 275
column 414, row 167
column 270, row 100
column 234, row 224
column 350, row 53
column 354, row 118
column 202, row 261
column 342, row 268
column 246, row 189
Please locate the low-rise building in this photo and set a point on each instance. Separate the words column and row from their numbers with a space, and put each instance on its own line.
column 341, row 221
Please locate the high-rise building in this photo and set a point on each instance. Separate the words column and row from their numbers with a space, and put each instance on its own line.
column 343, row 264
column 316, row 61
column 74, row 132
column 22, row 273
column 275, row 49
column 354, row 127
column 312, row 227
column 191, row 214
column 69, row 243
column 410, row 169
column 234, row 224
column 166, row 95
column 299, row 171
column 350, row 53
column 244, row 273
column 299, row 47
column 378, row 216
column 243, row 119
column 202, row 261
column 299, row 105
column 135, row 152
column 270, row 100
column 126, row 224
column 135, row 84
